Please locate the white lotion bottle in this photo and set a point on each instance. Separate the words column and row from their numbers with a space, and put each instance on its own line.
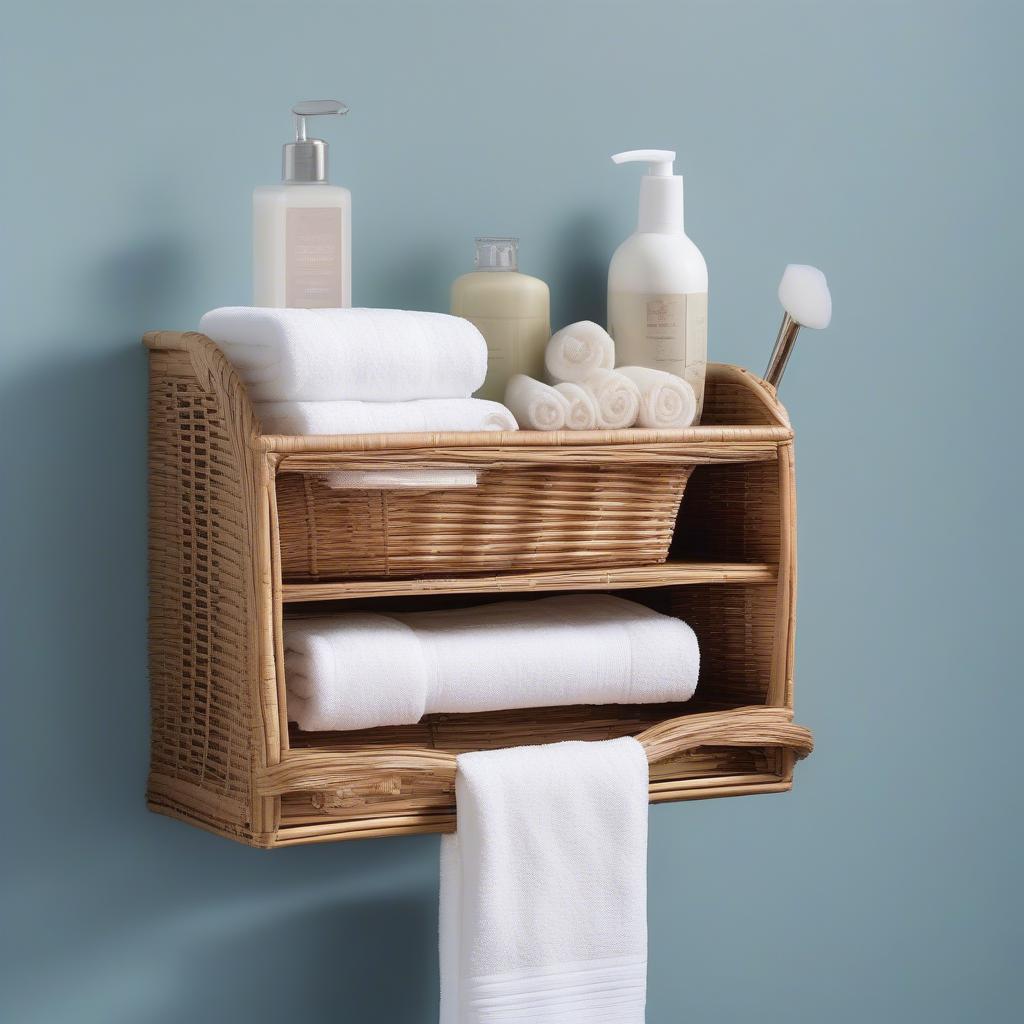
column 302, row 228
column 658, row 281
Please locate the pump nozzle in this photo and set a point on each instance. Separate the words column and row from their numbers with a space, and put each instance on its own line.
column 660, row 160
column 661, row 191
column 314, row 108
column 305, row 159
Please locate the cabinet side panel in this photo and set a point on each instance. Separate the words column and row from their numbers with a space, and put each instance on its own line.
column 201, row 714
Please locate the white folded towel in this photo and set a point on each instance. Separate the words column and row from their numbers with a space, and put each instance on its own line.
column 356, row 670
column 369, row 355
column 666, row 401
column 617, row 399
column 424, row 416
column 535, row 405
column 582, row 414
column 543, row 910
column 574, row 352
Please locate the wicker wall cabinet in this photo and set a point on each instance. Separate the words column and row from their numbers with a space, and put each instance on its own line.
column 697, row 523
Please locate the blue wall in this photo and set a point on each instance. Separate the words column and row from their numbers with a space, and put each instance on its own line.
column 880, row 141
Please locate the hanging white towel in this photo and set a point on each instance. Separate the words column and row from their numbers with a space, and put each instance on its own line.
column 428, row 415
column 356, row 670
column 574, row 352
column 369, row 355
column 543, row 916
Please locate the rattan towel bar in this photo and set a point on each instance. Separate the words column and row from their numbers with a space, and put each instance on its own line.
column 698, row 523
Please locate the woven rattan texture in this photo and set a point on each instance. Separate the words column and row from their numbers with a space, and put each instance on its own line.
column 516, row 518
column 200, row 704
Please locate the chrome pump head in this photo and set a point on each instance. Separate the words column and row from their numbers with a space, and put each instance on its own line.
column 305, row 159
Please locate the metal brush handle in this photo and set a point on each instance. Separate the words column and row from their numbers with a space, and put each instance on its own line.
column 784, row 345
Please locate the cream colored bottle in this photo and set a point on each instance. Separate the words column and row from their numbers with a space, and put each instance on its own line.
column 511, row 310
column 658, row 282
column 302, row 228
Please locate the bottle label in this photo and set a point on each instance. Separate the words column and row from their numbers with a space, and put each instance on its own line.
column 313, row 268
column 664, row 332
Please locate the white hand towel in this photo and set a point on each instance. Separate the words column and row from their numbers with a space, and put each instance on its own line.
column 544, row 887
column 354, row 671
column 666, row 401
column 617, row 399
column 582, row 413
column 535, row 405
column 424, row 416
column 369, row 355
column 574, row 352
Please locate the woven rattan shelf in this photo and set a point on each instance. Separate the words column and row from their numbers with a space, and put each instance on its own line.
column 697, row 523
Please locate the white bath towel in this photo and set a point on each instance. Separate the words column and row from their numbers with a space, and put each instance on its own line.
column 426, row 415
column 354, row 670
column 543, row 912
column 582, row 414
column 535, row 405
column 370, row 355
column 574, row 352
column 666, row 401
column 617, row 399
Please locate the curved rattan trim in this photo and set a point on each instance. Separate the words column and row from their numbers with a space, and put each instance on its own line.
column 743, row 727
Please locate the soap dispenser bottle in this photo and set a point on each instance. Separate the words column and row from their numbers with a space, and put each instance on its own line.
column 302, row 228
column 658, row 281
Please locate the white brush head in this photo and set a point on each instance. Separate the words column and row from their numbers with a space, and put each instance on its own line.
column 804, row 294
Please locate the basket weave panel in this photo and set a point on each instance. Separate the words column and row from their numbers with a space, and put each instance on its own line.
column 199, row 616
column 516, row 518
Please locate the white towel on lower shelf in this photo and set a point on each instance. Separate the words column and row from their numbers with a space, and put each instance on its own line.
column 666, row 401
column 543, row 913
column 426, row 415
column 370, row 355
column 536, row 405
column 357, row 670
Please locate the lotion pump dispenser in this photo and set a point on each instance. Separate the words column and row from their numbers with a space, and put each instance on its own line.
column 658, row 281
column 302, row 228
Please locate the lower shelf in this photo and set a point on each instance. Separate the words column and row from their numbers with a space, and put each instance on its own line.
column 400, row 780
column 623, row 578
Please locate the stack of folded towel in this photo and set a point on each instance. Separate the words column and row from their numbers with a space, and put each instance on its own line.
column 359, row 670
column 357, row 371
column 588, row 393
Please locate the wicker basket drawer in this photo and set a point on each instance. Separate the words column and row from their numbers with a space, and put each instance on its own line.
column 518, row 517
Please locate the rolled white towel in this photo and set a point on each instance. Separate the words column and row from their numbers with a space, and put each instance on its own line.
column 535, row 405
column 574, row 352
column 369, row 355
column 617, row 399
column 355, row 670
column 666, row 401
column 582, row 413
column 426, row 415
